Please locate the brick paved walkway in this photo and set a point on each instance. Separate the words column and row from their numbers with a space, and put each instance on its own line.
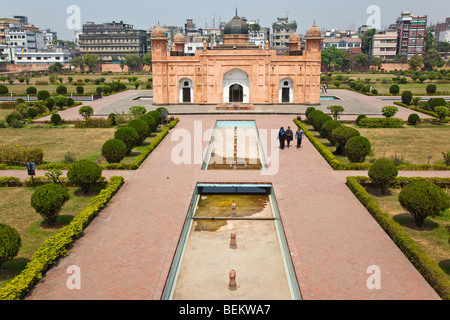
column 127, row 251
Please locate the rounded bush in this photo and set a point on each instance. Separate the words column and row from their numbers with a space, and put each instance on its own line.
column 61, row 101
column 129, row 136
column 48, row 201
column 86, row 111
column 99, row 90
column 358, row 148
column 114, row 150
column 31, row 90
column 84, row 173
column 423, row 199
column 32, row 113
column 394, row 89
column 142, row 129
column 43, row 95
column 382, row 172
column 11, row 117
column 151, row 122
column 328, row 128
column 375, row 91
column 55, row 119
column 112, row 119
column 157, row 115
column 319, row 122
column 413, row 119
column 3, row 89
column 309, row 110
column 161, row 109
column 314, row 114
column 61, row 90
column 70, row 102
column 431, row 88
column 342, row 134
column 10, row 243
column 407, row 97
column 80, row 89
column 365, row 88
column 50, row 103
column 360, row 117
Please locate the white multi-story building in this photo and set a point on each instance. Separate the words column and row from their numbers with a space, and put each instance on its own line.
column 25, row 40
column 41, row 57
column 384, row 45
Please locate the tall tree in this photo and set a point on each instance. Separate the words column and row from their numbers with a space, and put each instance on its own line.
column 433, row 59
column 147, row 59
column 332, row 56
column 416, row 62
column 91, row 60
column 367, row 38
column 133, row 61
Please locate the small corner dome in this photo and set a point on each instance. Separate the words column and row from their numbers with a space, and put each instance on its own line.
column 295, row 37
column 314, row 32
column 179, row 38
column 158, row 32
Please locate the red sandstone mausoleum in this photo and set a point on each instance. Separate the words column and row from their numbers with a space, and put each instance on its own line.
column 236, row 71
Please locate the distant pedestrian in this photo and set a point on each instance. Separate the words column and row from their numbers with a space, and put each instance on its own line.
column 289, row 137
column 299, row 135
column 326, row 88
column 282, row 138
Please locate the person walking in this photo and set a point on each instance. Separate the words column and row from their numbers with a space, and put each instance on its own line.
column 299, row 135
column 282, row 138
column 289, row 137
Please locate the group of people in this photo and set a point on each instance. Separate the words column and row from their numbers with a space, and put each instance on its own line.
column 287, row 136
column 324, row 88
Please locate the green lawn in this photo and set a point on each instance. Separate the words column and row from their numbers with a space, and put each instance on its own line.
column 18, row 213
column 57, row 141
column 412, row 144
column 432, row 237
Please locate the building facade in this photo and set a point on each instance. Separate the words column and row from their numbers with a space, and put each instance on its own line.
column 236, row 71
column 352, row 45
column 282, row 31
column 384, row 45
column 112, row 41
column 411, row 35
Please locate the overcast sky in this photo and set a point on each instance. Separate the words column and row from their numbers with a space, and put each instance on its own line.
column 145, row 14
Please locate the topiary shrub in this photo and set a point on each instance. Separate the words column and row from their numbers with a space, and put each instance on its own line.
column 80, row 89
column 358, row 148
column 112, row 119
column 394, row 89
column 157, row 116
column 129, row 136
column 341, row 136
column 43, row 95
column 407, row 97
column 32, row 113
column 423, row 199
column 56, row 119
column 328, row 128
column 31, row 90
column 314, row 114
column 114, row 150
column 413, row 119
column 151, row 122
column 435, row 102
column 142, row 129
column 382, row 172
column 3, row 89
column 389, row 111
column 50, row 103
column 10, row 243
column 319, row 120
column 375, row 92
column 161, row 109
column 86, row 111
column 61, row 90
column 309, row 110
column 70, row 102
column 84, row 173
column 60, row 101
column 360, row 117
column 137, row 111
column 12, row 116
column 48, row 201
column 431, row 88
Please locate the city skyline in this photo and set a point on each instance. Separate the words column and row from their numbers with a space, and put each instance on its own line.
column 346, row 14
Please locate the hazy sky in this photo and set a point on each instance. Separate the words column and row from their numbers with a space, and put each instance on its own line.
column 144, row 14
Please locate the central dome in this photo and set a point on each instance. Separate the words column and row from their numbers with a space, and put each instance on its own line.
column 236, row 26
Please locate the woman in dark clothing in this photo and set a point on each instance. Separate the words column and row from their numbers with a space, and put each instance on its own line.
column 282, row 138
column 289, row 137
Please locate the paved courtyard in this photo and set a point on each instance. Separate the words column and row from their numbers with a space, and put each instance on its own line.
column 127, row 251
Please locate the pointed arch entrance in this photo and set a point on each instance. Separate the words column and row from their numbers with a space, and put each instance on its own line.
column 236, row 86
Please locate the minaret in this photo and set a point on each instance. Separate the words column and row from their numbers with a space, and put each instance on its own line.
column 314, row 42
column 159, row 43
column 160, row 66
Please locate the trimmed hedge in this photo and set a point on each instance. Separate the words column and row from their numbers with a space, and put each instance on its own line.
column 56, row 247
column 381, row 123
column 437, row 278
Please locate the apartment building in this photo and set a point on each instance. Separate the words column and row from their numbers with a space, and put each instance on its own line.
column 411, row 34
column 384, row 45
column 112, row 41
